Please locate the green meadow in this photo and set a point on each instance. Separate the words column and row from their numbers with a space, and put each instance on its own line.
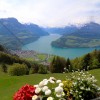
column 10, row 84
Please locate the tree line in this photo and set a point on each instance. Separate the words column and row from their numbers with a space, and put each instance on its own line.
column 87, row 62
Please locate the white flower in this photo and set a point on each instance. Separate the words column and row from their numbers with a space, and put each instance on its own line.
column 37, row 90
column 58, row 95
column 61, row 84
column 99, row 89
column 52, row 78
column 41, row 84
column 58, row 81
column 44, row 88
column 45, row 81
column 51, row 81
column 76, row 91
column 94, row 80
column 82, row 88
column 50, row 98
column 58, row 89
column 78, row 78
column 36, row 86
column 74, row 83
column 35, row 97
column 80, row 96
column 48, row 92
column 88, row 89
column 63, row 94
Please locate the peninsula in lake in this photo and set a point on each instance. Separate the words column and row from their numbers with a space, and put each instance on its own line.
column 86, row 36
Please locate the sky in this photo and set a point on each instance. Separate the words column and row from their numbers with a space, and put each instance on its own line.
column 51, row 13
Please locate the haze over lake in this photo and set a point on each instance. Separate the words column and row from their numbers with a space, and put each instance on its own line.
column 43, row 45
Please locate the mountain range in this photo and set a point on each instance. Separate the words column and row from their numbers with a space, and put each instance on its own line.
column 62, row 30
column 14, row 34
column 86, row 36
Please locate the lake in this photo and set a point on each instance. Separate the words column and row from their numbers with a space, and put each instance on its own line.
column 43, row 45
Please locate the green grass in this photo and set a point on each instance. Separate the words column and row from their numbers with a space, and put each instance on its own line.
column 41, row 56
column 30, row 59
column 10, row 84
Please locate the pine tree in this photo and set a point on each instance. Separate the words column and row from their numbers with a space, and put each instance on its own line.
column 57, row 65
column 69, row 65
column 86, row 61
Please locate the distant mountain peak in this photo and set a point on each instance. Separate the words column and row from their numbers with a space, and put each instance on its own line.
column 12, row 19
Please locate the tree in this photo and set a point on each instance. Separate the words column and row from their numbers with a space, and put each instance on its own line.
column 69, row 65
column 86, row 61
column 98, row 55
column 42, row 69
column 57, row 65
column 95, row 63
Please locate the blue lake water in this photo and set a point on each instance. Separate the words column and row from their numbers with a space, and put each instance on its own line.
column 43, row 45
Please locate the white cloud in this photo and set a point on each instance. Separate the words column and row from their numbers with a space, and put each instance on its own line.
column 50, row 12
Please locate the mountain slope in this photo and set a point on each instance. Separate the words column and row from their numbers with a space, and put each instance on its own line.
column 86, row 36
column 13, row 34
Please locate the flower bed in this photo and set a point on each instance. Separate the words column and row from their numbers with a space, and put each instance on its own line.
column 79, row 86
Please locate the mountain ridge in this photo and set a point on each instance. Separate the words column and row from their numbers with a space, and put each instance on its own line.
column 14, row 34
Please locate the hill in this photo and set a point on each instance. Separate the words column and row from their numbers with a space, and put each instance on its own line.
column 14, row 34
column 87, row 36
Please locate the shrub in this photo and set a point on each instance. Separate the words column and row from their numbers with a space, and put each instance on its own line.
column 42, row 69
column 34, row 68
column 18, row 69
column 4, row 68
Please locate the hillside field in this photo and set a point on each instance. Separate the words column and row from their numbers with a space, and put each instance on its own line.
column 10, row 84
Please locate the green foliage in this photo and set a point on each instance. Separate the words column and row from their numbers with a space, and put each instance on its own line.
column 86, row 61
column 69, row 65
column 18, row 69
column 57, row 65
column 4, row 68
column 10, row 59
column 34, row 68
column 2, row 48
column 42, row 69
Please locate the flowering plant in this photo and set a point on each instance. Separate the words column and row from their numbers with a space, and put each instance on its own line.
column 25, row 93
column 80, row 86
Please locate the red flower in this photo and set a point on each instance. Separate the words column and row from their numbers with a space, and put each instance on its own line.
column 25, row 93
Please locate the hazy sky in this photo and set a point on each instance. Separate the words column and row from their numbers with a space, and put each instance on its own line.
column 51, row 12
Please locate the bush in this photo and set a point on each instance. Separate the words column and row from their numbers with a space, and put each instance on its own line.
column 4, row 68
column 42, row 69
column 18, row 69
column 34, row 68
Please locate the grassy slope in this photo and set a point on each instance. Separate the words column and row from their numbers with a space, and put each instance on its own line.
column 74, row 41
column 10, row 84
